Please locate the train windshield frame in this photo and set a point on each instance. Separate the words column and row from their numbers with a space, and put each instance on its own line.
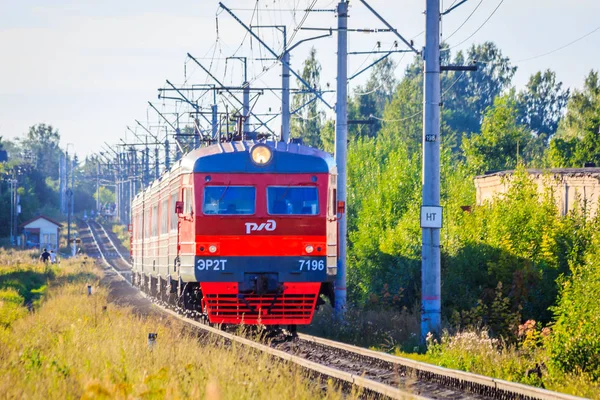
column 229, row 200
column 293, row 200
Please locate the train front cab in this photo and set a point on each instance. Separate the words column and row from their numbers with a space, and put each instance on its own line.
column 266, row 241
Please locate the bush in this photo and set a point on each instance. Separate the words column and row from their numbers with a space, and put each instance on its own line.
column 575, row 342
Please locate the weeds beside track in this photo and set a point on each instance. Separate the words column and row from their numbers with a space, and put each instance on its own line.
column 378, row 373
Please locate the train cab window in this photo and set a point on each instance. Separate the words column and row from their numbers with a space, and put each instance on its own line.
column 288, row 200
column 229, row 200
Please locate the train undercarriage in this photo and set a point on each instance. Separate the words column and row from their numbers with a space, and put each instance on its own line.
column 221, row 304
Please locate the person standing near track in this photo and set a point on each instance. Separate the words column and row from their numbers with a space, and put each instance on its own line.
column 45, row 256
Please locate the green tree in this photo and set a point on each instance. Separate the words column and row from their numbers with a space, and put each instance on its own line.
column 502, row 141
column 42, row 143
column 577, row 141
column 575, row 341
column 307, row 122
column 107, row 196
column 369, row 102
column 402, row 117
column 469, row 94
column 583, row 109
column 541, row 103
column 328, row 136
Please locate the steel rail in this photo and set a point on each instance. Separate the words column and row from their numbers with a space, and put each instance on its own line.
column 502, row 388
column 467, row 377
column 345, row 377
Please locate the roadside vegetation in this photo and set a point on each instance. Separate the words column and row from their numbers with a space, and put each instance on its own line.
column 514, row 271
column 79, row 346
column 519, row 280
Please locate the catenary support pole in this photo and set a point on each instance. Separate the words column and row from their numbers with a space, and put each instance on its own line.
column 97, row 186
column 215, row 121
column 341, row 149
column 167, row 154
column 146, row 166
column 431, row 211
column 285, row 98
column 12, row 210
column 246, row 111
column 68, row 199
column 285, row 90
column 157, row 164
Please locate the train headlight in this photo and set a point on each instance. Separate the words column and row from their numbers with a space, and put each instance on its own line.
column 309, row 249
column 212, row 248
column 261, row 154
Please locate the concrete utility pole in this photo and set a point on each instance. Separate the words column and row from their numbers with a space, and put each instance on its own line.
column 341, row 150
column 285, row 91
column 97, row 187
column 69, row 194
column 431, row 212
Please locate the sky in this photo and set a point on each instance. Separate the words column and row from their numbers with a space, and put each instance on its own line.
column 89, row 68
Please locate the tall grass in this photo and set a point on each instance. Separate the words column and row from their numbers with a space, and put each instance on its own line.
column 375, row 328
column 524, row 362
column 80, row 346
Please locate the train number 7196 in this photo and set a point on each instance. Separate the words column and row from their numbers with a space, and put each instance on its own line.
column 312, row 265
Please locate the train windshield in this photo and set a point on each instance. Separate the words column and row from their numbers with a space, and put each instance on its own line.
column 287, row 200
column 229, row 200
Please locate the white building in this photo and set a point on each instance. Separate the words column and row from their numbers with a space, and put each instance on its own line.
column 42, row 232
column 572, row 187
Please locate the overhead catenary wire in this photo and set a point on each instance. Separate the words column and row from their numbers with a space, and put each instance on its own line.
column 561, row 47
column 478, row 29
column 465, row 21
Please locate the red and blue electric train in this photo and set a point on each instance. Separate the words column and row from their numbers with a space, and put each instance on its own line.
column 240, row 232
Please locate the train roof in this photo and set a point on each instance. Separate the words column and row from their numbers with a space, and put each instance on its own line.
column 234, row 157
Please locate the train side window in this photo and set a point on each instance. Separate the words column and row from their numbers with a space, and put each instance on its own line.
column 174, row 217
column 147, row 224
column 164, row 216
column 229, row 200
column 187, row 201
column 155, row 220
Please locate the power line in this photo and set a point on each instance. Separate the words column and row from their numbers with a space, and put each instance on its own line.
column 478, row 29
column 297, row 29
column 397, row 120
column 561, row 47
column 465, row 21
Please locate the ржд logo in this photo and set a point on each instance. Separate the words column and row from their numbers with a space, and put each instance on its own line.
column 270, row 226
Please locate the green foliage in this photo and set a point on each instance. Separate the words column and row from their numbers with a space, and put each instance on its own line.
column 575, row 342
column 383, row 181
column 307, row 122
column 42, row 143
column 578, row 141
column 105, row 194
column 502, row 141
column 541, row 103
column 328, row 136
column 471, row 94
column 370, row 101
column 523, row 362
column 403, row 115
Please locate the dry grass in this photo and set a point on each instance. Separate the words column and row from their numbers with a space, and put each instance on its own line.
column 381, row 329
column 79, row 346
column 475, row 351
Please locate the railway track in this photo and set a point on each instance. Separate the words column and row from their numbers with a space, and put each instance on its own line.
column 376, row 373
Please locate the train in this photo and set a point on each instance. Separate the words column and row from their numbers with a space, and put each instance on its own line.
column 241, row 232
